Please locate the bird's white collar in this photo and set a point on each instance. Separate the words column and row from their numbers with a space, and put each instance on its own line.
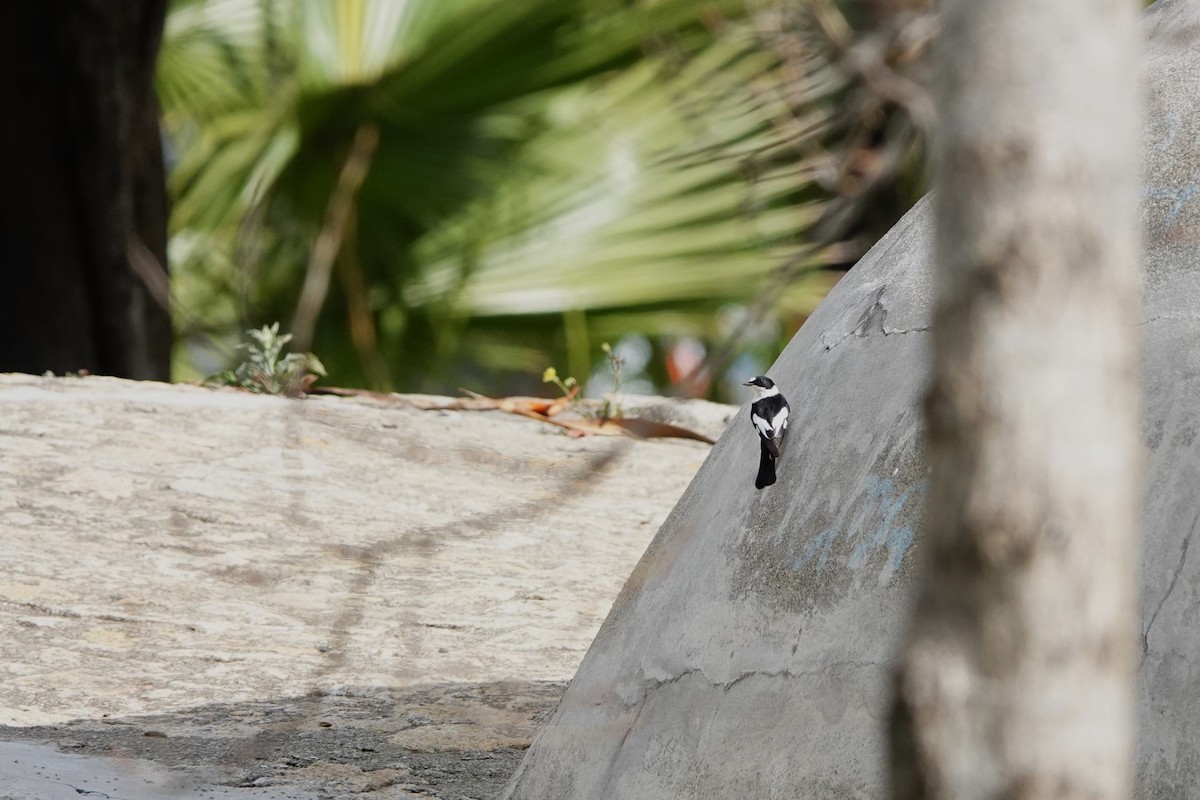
column 761, row 393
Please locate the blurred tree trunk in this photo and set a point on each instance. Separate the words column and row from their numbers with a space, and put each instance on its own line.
column 1016, row 679
column 83, row 225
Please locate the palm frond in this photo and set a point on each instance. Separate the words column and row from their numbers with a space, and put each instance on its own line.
column 534, row 157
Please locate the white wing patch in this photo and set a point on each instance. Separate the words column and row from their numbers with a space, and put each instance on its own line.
column 766, row 429
column 762, row 426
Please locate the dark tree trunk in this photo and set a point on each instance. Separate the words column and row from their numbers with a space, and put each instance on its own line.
column 83, row 281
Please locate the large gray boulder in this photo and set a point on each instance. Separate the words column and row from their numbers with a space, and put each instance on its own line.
column 749, row 654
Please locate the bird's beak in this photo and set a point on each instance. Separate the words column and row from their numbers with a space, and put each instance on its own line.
column 748, row 383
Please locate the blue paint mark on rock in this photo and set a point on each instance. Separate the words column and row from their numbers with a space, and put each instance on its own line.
column 896, row 538
column 1179, row 198
column 819, row 547
column 883, row 502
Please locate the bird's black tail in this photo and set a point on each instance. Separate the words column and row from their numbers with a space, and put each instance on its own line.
column 766, row 467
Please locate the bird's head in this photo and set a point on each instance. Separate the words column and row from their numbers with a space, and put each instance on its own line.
column 762, row 386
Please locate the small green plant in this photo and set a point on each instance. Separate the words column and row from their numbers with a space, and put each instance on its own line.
column 268, row 370
column 551, row 376
column 612, row 408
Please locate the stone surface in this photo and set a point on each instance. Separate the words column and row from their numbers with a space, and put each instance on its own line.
column 189, row 576
column 364, row 742
column 749, row 654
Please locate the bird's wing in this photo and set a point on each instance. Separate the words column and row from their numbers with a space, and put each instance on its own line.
column 781, row 421
column 762, row 426
column 770, row 435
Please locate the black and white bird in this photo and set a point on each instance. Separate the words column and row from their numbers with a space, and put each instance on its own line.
column 769, row 415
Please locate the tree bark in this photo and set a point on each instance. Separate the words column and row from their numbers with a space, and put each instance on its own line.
column 83, row 226
column 1016, row 678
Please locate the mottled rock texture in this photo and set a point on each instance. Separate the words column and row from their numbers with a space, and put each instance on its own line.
column 254, row 587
